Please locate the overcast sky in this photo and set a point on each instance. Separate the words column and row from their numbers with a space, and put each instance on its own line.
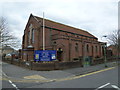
column 99, row 17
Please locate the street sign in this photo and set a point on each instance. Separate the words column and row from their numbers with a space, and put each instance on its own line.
column 45, row 55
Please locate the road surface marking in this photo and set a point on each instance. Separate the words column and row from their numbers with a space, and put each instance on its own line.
column 34, row 77
column 103, row 86
column 9, row 80
column 13, row 84
column 76, row 77
column 4, row 74
column 116, row 87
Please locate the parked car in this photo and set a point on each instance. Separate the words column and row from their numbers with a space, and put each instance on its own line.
column 12, row 55
column 8, row 56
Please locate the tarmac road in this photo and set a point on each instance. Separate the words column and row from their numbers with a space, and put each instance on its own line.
column 104, row 79
column 17, row 77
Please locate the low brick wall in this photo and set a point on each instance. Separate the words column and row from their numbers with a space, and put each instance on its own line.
column 55, row 65
column 113, row 59
column 43, row 66
column 101, row 60
column 66, row 65
column 15, row 62
column 7, row 60
column 98, row 61
column 22, row 63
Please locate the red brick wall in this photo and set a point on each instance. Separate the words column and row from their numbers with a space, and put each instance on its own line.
column 64, row 40
column 114, row 50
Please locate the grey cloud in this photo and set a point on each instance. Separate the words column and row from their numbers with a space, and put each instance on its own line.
column 95, row 17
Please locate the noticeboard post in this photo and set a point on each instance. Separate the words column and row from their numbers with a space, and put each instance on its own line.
column 45, row 55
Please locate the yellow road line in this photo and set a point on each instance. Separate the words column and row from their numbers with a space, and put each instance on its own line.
column 76, row 77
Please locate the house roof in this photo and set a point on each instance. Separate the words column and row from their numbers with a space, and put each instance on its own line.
column 60, row 26
column 111, row 46
column 7, row 48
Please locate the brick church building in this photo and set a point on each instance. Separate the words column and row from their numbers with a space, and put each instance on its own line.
column 69, row 42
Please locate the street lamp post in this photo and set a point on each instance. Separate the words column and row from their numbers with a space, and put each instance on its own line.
column 105, row 57
column 118, row 46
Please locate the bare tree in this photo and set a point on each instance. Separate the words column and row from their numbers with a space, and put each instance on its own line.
column 114, row 39
column 6, row 38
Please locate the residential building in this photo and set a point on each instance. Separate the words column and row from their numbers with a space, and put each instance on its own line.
column 7, row 50
column 113, row 49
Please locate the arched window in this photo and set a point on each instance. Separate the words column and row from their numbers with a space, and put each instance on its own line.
column 32, row 35
column 28, row 38
column 76, row 47
column 54, row 42
column 96, row 49
column 103, row 50
column 92, row 50
column 87, row 48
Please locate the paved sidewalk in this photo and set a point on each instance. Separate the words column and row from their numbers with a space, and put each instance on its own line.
column 87, row 69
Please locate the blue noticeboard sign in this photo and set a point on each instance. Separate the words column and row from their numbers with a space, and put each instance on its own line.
column 44, row 55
